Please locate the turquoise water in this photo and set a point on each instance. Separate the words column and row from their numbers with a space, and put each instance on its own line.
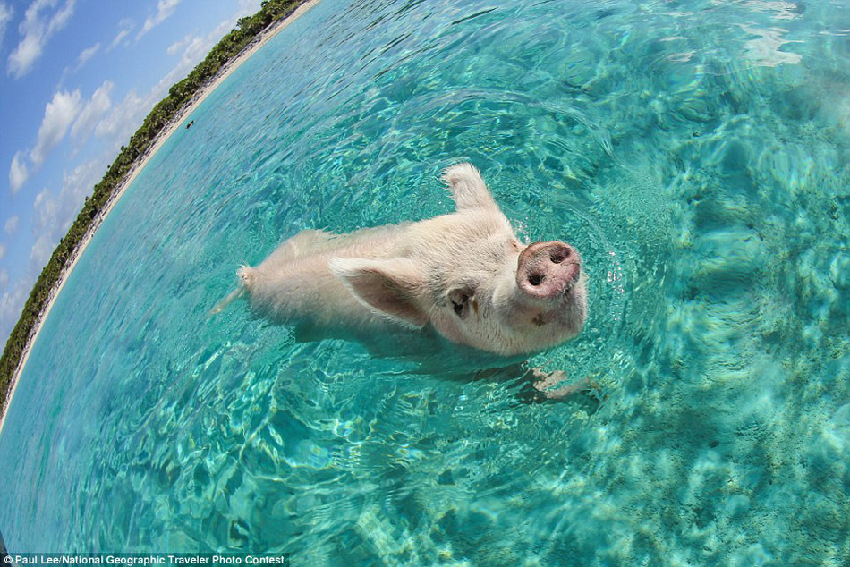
column 695, row 152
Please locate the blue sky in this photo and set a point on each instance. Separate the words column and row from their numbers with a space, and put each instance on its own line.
column 78, row 77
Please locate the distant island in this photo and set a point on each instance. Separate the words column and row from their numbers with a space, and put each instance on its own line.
column 158, row 124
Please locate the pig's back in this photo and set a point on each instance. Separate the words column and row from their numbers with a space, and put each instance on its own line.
column 294, row 284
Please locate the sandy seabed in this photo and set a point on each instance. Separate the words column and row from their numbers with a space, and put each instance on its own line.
column 140, row 164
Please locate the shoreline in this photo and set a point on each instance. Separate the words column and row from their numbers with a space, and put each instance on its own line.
column 176, row 123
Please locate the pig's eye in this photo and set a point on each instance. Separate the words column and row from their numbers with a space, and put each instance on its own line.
column 460, row 302
column 460, row 307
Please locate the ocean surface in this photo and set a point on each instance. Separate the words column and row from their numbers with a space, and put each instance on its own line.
column 694, row 151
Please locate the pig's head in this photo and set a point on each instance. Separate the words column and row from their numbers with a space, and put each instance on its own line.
column 468, row 276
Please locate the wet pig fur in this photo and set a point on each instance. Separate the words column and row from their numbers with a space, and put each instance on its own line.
column 465, row 275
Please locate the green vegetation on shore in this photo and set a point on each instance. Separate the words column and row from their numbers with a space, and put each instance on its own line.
column 179, row 96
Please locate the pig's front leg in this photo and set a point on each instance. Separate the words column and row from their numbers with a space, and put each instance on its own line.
column 550, row 386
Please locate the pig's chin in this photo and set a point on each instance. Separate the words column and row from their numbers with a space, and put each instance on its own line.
column 564, row 314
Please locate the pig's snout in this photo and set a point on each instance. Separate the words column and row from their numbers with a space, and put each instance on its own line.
column 546, row 270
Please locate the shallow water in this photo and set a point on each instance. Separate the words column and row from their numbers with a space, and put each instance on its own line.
column 696, row 152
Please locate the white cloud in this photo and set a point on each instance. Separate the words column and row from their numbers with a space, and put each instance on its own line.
column 88, row 54
column 3, row 254
column 82, row 59
column 11, row 225
column 41, row 251
column 24, row 57
column 36, row 30
column 52, row 216
column 66, row 111
column 18, row 173
column 124, row 119
column 77, row 185
column 59, row 114
column 194, row 51
column 164, row 9
column 45, row 210
column 12, row 302
column 92, row 113
column 5, row 17
column 247, row 7
column 125, row 27
column 4, row 275
column 179, row 45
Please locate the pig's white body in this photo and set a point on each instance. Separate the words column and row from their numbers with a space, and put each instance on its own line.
column 465, row 274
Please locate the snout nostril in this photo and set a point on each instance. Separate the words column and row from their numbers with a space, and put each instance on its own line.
column 560, row 255
column 535, row 279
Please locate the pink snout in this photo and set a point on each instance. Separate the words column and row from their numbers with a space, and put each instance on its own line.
column 546, row 270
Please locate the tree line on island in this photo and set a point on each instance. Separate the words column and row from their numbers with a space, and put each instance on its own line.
column 160, row 117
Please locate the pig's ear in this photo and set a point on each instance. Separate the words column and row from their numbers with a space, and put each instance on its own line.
column 388, row 287
column 467, row 187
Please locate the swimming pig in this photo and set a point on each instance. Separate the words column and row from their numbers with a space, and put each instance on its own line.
column 464, row 274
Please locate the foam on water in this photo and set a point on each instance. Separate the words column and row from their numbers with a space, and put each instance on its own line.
column 695, row 152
